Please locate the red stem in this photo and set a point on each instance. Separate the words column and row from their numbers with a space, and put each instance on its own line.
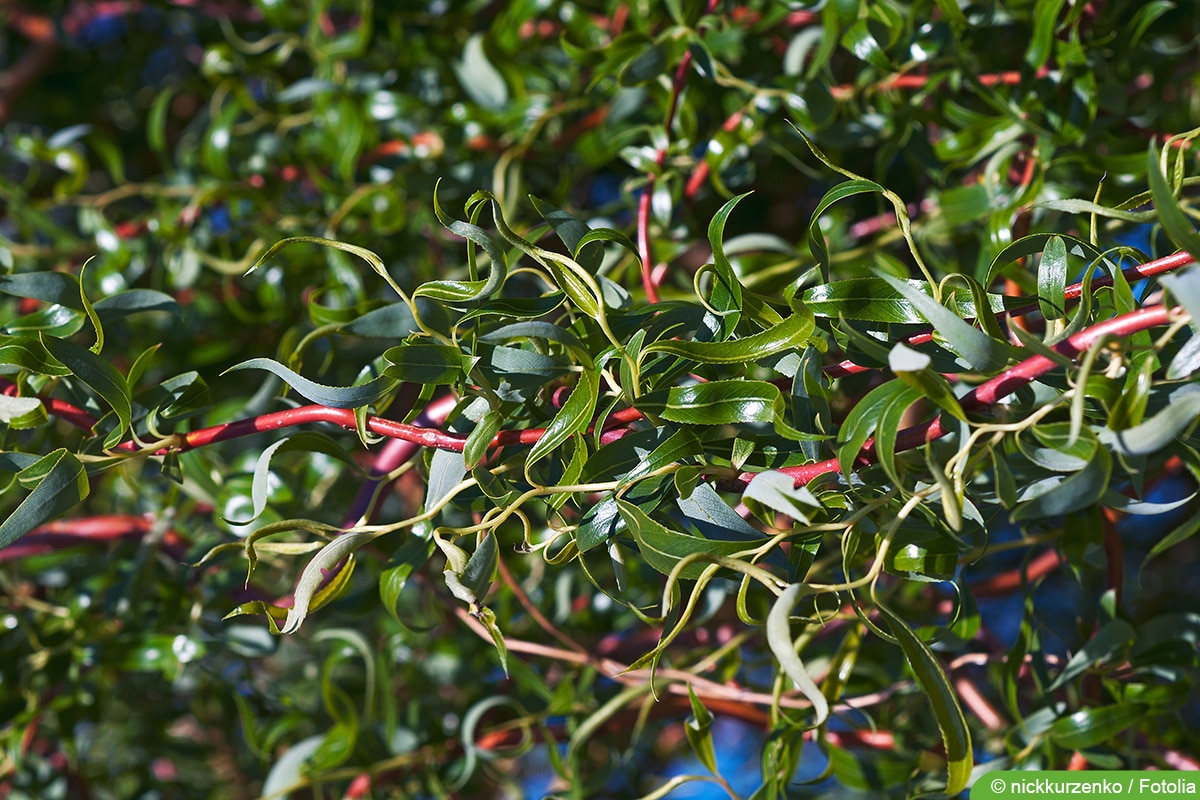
column 993, row 390
column 1073, row 292
column 432, row 437
column 643, row 242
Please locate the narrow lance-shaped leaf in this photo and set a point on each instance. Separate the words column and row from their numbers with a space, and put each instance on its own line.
column 778, row 492
column 101, row 376
column 467, row 291
column 913, row 368
column 783, row 647
column 332, row 396
column 679, row 445
column 1052, row 279
column 60, row 482
column 374, row 261
column 570, row 230
column 726, row 295
column 878, row 413
column 1160, row 430
column 816, row 239
column 305, row 441
column 480, row 438
column 1093, row 726
column 875, row 300
column 1077, row 491
column 663, row 548
column 472, row 583
column 1179, row 228
column 982, row 352
column 411, row 556
column 314, row 575
column 951, row 721
column 792, row 333
column 725, row 403
column 572, row 418
column 88, row 309
column 699, row 732
column 426, row 363
column 1185, row 289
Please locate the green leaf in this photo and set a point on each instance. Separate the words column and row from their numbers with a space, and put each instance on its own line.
column 726, row 295
column 311, row 588
column 570, row 231
column 698, row 730
column 53, row 320
column 1177, row 225
column 392, row 321
column 1094, row 726
column 20, row 413
column 816, row 239
column 1143, row 19
column 913, row 368
column 878, row 413
column 572, row 418
column 477, row 575
column 405, row 563
column 29, row 353
column 332, row 396
column 1052, row 279
column 958, row 20
column 480, row 438
column 707, row 512
column 859, row 40
column 778, row 492
column 1114, row 637
column 951, row 721
column 304, row 442
column 723, row 403
column 783, row 647
column 424, row 363
column 1156, row 433
column 646, row 66
column 1032, row 244
column 678, row 446
column 446, row 470
column 101, row 376
column 1185, row 289
column 791, row 334
column 663, row 548
column 366, row 255
column 923, row 555
column 1045, row 19
column 59, row 482
column 472, row 290
column 982, row 352
column 517, row 307
column 1055, row 496
column 91, row 313
column 600, row 523
column 877, row 300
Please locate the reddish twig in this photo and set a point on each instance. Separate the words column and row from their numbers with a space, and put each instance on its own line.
column 643, row 242
column 991, row 391
column 1073, row 292
column 650, row 275
column 63, row 533
column 1012, row 580
column 692, row 188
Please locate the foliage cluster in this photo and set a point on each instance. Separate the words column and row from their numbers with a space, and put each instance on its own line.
column 559, row 382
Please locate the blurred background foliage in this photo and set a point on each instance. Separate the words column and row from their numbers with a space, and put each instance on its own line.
column 172, row 142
